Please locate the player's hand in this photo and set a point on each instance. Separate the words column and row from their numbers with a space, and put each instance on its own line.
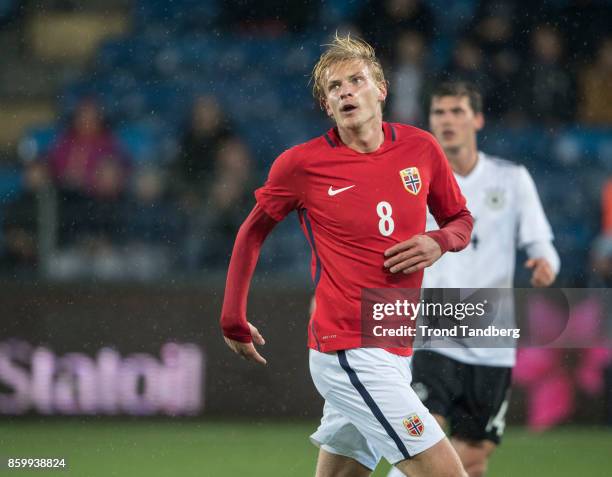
column 542, row 275
column 247, row 350
column 412, row 255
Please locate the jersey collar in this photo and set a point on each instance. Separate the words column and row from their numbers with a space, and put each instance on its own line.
column 475, row 173
column 333, row 138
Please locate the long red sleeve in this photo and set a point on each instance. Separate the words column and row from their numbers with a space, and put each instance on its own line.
column 247, row 246
column 455, row 232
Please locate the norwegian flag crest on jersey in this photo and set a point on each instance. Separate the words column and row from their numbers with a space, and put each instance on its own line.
column 411, row 180
column 414, row 425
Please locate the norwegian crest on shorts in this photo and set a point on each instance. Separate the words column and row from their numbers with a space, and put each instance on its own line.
column 414, row 425
column 411, row 179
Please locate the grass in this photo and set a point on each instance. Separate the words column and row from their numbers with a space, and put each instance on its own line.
column 266, row 449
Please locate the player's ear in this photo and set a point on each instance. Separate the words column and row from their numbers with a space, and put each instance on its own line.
column 382, row 91
column 479, row 121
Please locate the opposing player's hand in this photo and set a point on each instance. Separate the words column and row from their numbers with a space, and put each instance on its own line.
column 542, row 275
column 247, row 350
column 412, row 255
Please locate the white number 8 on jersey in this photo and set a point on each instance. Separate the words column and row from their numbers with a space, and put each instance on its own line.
column 385, row 224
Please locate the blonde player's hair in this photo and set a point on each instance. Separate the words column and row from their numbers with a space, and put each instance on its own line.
column 341, row 49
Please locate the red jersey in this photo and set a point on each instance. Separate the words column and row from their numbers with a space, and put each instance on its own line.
column 352, row 207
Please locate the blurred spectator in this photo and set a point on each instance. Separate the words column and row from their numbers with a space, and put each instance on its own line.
column 382, row 22
column 91, row 174
column 548, row 87
column 408, row 76
column 595, row 100
column 519, row 16
column 210, row 180
column 496, row 36
column 210, row 238
column 87, row 159
column 583, row 23
column 468, row 64
column 193, row 170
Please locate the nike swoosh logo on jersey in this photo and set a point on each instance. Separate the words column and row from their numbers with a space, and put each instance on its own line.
column 333, row 192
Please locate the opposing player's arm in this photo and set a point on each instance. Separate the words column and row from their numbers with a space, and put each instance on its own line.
column 544, row 262
column 534, row 233
column 448, row 207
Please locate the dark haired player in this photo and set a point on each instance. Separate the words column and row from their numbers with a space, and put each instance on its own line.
column 467, row 387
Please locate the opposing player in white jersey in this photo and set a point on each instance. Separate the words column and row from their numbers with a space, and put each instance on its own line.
column 467, row 388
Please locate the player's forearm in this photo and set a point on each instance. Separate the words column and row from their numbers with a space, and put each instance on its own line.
column 455, row 232
column 245, row 254
column 546, row 250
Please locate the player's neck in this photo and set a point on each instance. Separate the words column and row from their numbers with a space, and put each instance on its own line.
column 367, row 138
column 462, row 161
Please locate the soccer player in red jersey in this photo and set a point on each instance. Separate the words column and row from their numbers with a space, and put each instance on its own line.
column 361, row 191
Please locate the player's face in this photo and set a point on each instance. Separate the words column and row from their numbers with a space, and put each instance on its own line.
column 352, row 97
column 453, row 121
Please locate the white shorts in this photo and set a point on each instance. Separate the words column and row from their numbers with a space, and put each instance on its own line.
column 370, row 409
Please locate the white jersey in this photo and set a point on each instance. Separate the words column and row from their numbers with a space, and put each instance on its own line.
column 507, row 215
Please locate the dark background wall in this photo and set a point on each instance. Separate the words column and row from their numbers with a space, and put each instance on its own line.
column 85, row 319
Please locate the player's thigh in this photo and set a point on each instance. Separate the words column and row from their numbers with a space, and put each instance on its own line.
column 440, row 460
column 481, row 412
column 372, row 390
column 334, row 465
column 338, row 436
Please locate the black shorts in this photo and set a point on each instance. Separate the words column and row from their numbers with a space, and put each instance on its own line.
column 472, row 398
